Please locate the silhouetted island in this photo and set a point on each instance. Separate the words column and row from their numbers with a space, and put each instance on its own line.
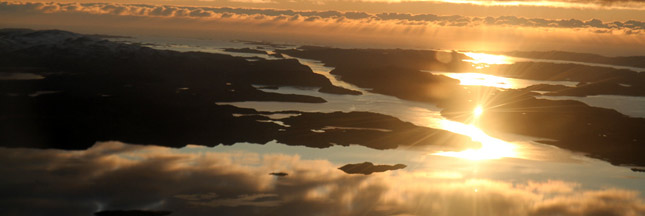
column 131, row 213
column 630, row 61
column 373, row 130
column 367, row 168
column 592, row 80
column 393, row 72
column 279, row 174
column 245, row 50
column 263, row 43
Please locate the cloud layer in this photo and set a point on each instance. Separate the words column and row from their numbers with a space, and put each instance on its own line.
column 192, row 181
column 594, row 4
column 281, row 17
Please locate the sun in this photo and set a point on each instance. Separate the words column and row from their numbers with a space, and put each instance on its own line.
column 478, row 111
column 487, row 59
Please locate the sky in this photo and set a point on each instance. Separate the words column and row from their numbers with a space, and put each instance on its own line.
column 605, row 27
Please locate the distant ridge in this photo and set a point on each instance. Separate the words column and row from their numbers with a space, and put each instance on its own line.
column 630, row 61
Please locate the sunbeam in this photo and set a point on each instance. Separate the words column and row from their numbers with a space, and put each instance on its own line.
column 492, row 148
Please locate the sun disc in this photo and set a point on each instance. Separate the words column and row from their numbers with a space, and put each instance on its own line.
column 478, row 111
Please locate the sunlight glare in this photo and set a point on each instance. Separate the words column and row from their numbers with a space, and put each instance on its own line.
column 492, row 148
column 478, row 111
column 478, row 79
column 487, row 59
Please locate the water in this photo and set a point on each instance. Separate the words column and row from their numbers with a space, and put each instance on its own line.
column 549, row 160
column 480, row 59
column 510, row 175
column 479, row 79
column 422, row 114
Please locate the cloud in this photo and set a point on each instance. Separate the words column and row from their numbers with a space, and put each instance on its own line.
column 279, row 17
column 211, row 200
column 605, row 202
column 196, row 181
column 586, row 4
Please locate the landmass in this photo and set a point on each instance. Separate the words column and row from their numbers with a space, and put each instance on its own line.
column 391, row 72
column 100, row 91
column 279, row 174
column 630, row 61
column 592, row 80
column 263, row 43
column 102, row 67
column 245, row 50
column 367, row 168
column 132, row 213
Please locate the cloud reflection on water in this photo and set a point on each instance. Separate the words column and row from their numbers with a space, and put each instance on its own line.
column 196, row 181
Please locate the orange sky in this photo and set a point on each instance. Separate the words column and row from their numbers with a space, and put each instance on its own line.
column 614, row 30
column 526, row 8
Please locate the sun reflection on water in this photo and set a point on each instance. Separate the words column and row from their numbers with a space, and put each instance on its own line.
column 478, row 79
column 483, row 58
column 491, row 148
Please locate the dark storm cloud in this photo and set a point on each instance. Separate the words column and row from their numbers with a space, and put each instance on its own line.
column 275, row 15
column 196, row 181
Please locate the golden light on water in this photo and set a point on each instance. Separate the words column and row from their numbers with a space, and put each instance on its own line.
column 483, row 58
column 478, row 79
column 492, row 148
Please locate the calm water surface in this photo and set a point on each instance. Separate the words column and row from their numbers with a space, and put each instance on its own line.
column 523, row 155
column 509, row 175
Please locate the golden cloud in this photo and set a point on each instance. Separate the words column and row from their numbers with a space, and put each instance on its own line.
column 280, row 17
column 197, row 181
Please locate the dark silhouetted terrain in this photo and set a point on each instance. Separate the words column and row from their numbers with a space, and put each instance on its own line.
column 132, row 213
column 245, row 50
column 633, row 61
column 367, row 168
column 99, row 90
column 592, row 80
